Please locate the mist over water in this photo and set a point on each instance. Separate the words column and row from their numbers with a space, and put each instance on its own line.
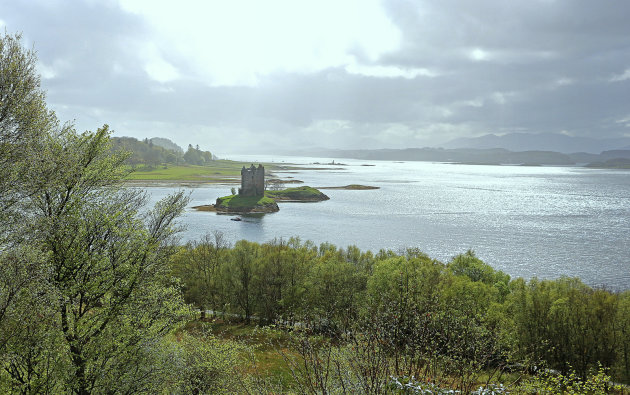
column 543, row 222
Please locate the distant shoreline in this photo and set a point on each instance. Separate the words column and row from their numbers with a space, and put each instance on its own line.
column 193, row 184
column 353, row 187
column 486, row 156
column 178, row 183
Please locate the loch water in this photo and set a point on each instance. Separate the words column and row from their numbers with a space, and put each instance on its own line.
column 543, row 222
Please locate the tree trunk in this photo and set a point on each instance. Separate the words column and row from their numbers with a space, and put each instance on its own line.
column 79, row 363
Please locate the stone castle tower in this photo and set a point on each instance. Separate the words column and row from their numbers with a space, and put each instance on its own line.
column 252, row 181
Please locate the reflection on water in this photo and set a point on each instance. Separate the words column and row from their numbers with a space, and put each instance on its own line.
column 527, row 221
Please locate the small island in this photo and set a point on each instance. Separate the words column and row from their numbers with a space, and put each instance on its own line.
column 299, row 194
column 252, row 197
column 239, row 204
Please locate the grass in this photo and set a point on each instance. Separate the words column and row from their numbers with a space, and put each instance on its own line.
column 269, row 351
column 184, row 173
column 235, row 201
column 217, row 171
column 299, row 193
column 268, row 346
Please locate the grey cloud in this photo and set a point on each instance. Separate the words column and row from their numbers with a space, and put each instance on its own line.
column 551, row 61
column 531, row 45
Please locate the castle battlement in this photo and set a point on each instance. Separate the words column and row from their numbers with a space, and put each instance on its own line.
column 252, row 181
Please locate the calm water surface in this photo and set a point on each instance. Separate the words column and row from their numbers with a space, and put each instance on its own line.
column 527, row 221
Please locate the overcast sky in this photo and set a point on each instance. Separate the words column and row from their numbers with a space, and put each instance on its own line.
column 253, row 76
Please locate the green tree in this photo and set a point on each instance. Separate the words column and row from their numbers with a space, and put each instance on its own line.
column 108, row 264
column 207, row 365
column 28, row 348
column 199, row 265
column 476, row 270
column 301, row 257
column 25, row 122
column 195, row 156
column 239, row 274
column 335, row 290
column 25, row 296
column 85, row 294
column 566, row 324
column 622, row 368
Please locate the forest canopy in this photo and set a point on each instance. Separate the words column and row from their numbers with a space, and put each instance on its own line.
column 158, row 151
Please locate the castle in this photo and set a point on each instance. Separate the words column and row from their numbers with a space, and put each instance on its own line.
column 252, row 181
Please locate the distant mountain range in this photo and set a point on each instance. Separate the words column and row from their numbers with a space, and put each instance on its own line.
column 487, row 156
column 493, row 156
column 540, row 142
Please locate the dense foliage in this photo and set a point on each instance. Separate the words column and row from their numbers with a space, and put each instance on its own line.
column 158, row 151
column 433, row 319
column 86, row 300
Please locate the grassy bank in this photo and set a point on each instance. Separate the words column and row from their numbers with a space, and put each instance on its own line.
column 267, row 349
column 238, row 201
column 304, row 193
column 216, row 171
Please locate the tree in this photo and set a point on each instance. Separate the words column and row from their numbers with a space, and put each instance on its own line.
column 623, row 318
column 209, row 365
column 275, row 184
column 106, row 266
column 85, row 294
column 27, row 310
column 195, row 156
column 272, row 279
column 24, row 123
column 335, row 287
column 239, row 275
column 199, row 264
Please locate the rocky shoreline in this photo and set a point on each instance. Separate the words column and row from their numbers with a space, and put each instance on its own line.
column 265, row 208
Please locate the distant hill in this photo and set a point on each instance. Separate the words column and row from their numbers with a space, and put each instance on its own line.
column 616, row 163
column 611, row 159
column 472, row 156
column 584, row 157
column 494, row 156
column 616, row 154
column 540, row 142
column 166, row 144
column 158, row 151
